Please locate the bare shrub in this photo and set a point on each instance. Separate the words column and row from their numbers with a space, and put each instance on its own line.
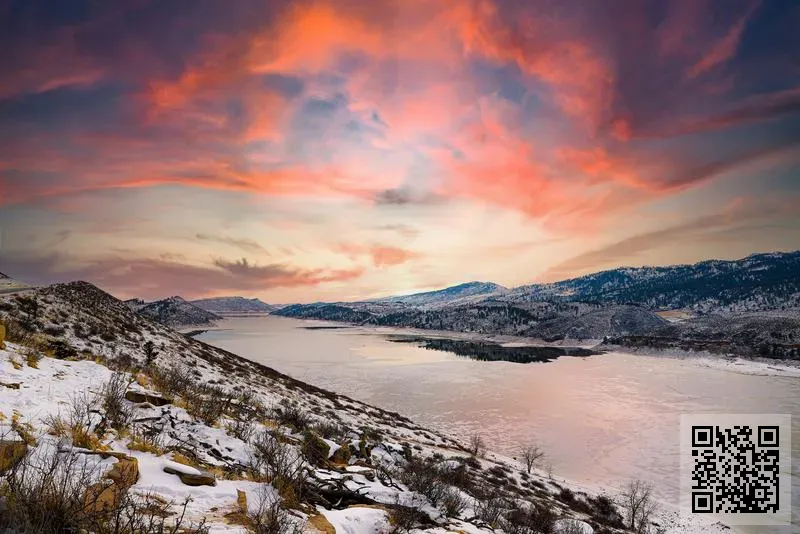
column 490, row 508
column 172, row 380
column 271, row 517
column 206, row 402
column 278, row 463
column 531, row 455
column 453, row 503
column 424, row 477
column 290, row 414
column 241, row 429
column 118, row 412
column 404, row 517
column 604, row 511
column 638, row 505
column 477, row 445
column 77, row 424
column 530, row 519
column 333, row 431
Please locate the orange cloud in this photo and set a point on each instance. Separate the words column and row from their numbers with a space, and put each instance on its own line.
column 381, row 255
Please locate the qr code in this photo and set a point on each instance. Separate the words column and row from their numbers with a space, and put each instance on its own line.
column 736, row 465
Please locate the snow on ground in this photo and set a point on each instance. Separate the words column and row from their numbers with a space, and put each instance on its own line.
column 745, row 366
column 357, row 520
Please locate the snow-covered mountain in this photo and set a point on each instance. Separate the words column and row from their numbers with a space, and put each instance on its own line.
column 756, row 283
column 173, row 311
column 616, row 303
column 458, row 294
column 233, row 305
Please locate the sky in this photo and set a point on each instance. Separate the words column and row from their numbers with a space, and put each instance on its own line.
column 311, row 150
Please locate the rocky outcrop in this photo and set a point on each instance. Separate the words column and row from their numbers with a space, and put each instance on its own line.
column 190, row 476
column 140, row 397
column 106, row 494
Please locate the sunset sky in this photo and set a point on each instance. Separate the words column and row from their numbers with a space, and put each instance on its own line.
column 325, row 150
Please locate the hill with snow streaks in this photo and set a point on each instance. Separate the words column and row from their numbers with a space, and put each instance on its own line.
column 173, row 311
column 458, row 294
column 111, row 417
column 758, row 282
column 233, row 305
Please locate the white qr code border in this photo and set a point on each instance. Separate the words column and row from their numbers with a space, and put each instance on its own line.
column 688, row 492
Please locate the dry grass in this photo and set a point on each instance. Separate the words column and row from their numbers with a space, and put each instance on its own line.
column 146, row 442
column 24, row 430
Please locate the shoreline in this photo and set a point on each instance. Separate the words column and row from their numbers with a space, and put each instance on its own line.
column 734, row 364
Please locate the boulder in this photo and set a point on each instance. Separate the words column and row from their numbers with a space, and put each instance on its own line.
column 190, row 475
column 2, row 336
column 151, row 398
column 105, row 495
column 12, row 451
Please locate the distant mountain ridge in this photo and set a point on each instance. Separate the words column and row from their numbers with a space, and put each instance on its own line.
column 173, row 311
column 756, row 283
column 618, row 303
column 233, row 305
column 461, row 293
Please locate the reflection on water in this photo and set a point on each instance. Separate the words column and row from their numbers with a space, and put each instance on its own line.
column 492, row 352
column 605, row 419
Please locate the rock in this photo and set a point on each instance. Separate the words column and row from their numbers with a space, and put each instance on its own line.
column 2, row 336
column 105, row 495
column 125, row 472
column 10, row 385
column 12, row 451
column 151, row 398
column 190, row 475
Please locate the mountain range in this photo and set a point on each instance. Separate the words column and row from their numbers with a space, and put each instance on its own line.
column 749, row 307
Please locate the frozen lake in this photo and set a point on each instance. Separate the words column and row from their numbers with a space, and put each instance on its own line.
column 601, row 419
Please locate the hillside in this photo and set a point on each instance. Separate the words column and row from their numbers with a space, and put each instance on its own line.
column 458, row 294
column 233, row 305
column 549, row 321
column 749, row 335
column 759, row 282
column 174, row 312
column 172, row 434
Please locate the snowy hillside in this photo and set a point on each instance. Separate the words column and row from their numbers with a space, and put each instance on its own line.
column 454, row 295
column 110, row 422
column 173, row 311
column 233, row 305
column 757, row 283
